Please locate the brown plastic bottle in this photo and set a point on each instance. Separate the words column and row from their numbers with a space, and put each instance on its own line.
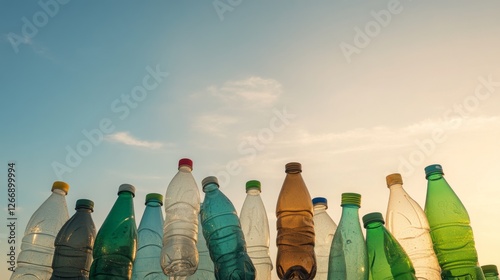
column 295, row 238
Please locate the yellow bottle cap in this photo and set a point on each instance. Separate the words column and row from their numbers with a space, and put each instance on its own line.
column 60, row 185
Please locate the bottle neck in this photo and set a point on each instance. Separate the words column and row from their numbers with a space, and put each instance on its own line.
column 153, row 204
column 318, row 208
column 210, row 188
column 374, row 225
column 84, row 210
column 253, row 192
column 350, row 209
column 59, row 192
column 435, row 177
column 185, row 168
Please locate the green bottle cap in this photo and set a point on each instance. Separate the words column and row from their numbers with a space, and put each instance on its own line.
column 127, row 188
column 373, row 217
column 351, row 198
column 209, row 180
column 85, row 203
column 154, row 197
column 320, row 201
column 490, row 268
column 293, row 167
column 434, row 168
column 253, row 184
column 394, row 179
column 60, row 185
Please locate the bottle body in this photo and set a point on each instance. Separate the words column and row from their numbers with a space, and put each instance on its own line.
column 324, row 230
column 74, row 244
column 255, row 226
column 205, row 269
column 295, row 226
column 37, row 247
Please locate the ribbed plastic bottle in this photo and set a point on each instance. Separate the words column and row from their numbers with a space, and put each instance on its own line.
column 116, row 241
column 205, row 269
column 179, row 256
column 295, row 237
column 149, row 241
column 348, row 257
column 406, row 221
column 387, row 259
column 324, row 229
column 225, row 239
column 74, row 244
column 451, row 232
column 37, row 247
column 490, row 272
column 255, row 226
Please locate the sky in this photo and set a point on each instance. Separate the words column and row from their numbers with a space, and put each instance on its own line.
column 103, row 93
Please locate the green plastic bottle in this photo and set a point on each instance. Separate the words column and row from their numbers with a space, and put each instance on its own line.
column 451, row 232
column 387, row 258
column 116, row 242
column 490, row 272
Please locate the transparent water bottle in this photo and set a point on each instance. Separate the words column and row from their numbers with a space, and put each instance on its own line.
column 407, row 222
column 387, row 259
column 255, row 226
column 225, row 240
column 116, row 241
column 295, row 237
column 348, row 257
column 205, row 269
column 324, row 229
column 149, row 241
column 37, row 247
column 74, row 244
column 451, row 232
column 490, row 272
column 179, row 256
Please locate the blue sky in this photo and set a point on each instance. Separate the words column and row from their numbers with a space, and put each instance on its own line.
column 244, row 89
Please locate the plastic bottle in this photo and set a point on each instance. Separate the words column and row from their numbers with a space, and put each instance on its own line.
column 179, row 256
column 406, row 221
column 222, row 230
column 348, row 257
column 149, row 241
column 490, row 272
column 255, row 226
column 116, row 242
column 295, row 237
column 205, row 269
column 387, row 259
column 324, row 229
column 37, row 247
column 74, row 244
column 451, row 232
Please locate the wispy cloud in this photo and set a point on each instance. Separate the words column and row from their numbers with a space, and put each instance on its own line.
column 253, row 91
column 124, row 137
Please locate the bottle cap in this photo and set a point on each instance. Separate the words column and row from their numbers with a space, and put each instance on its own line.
column 186, row 162
column 60, row 185
column 434, row 168
column 320, row 201
column 85, row 203
column 126, row 188
column 351, row 198
column 373, row 217
column 293, row 167
column 253, row 184
column 154, row 197
column 490, row 268
column 209, row 180
column 394, row 179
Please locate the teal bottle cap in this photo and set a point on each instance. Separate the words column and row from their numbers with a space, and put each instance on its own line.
column 85, row 203
column 373, row 217
column 60, row 185
column 320, row 201
column 209, row 180
column 126, row 188
column 252, row 184
column 186, row 162
column 490, row 268
column 293, row 167
column 154, row 197
column 394, row 179
column 351, row 198
column 434, row 168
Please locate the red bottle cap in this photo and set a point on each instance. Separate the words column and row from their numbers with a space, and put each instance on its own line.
column 187, row 162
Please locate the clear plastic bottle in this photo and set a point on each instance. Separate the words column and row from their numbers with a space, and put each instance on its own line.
column 74, row 244
column 490, row 272
column 387, row 259
column 295, row 237
column 205, row 269
column 255, row 226
column 179, row 256
column 37, row 248
column 149, row 241
column 451, row 232
column 324, row 230
column 225, row 240
column 407, row 222
column 348, row 257
column 116, row 241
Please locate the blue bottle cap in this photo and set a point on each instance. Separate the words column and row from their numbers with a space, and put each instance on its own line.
column 85, row 203
column 320, row 201
column 154, row 197
column 434, row 168
column 209, row 180
column 252, row 184
column 351, row 198
column 373, row 217
column 127, row 188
